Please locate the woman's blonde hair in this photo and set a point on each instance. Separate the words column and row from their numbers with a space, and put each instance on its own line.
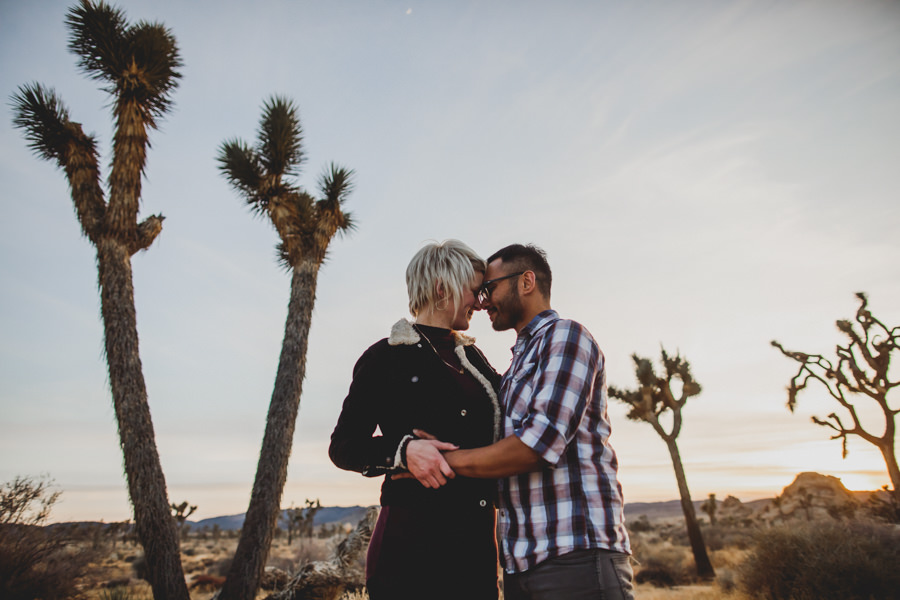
column 450, row 263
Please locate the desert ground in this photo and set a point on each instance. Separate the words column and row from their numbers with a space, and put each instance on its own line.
column 814, row 540
column 113, row 574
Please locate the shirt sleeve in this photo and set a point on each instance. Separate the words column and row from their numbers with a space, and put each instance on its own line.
column 568, row 365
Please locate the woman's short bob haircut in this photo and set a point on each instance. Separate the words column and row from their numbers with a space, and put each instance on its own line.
column 449, row 264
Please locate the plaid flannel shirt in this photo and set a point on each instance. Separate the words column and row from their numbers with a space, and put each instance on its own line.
column 554, row 400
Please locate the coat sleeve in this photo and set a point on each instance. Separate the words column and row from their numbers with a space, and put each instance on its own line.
column 354, row 445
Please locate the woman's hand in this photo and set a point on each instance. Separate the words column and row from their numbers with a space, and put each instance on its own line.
column 425, row 461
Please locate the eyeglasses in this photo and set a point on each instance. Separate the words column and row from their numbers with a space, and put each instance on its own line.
column 487, row 287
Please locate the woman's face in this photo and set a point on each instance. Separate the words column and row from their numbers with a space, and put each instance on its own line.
column 469, row 303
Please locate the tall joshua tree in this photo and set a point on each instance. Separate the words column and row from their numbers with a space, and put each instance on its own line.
column 860, row 372
column 263, row 176
column 138, row 63
column 653, row 397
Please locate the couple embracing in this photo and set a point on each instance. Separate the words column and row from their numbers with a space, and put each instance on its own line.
column 457, row 440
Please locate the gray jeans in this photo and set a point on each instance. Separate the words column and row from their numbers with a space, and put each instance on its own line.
column 583, row 574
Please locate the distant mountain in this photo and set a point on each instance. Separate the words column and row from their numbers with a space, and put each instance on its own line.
column 352, row 514
column 325, row 516
column 656, row 510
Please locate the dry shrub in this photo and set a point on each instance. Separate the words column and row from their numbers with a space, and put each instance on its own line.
column 280, row 563
column 690, row 592
column 124, row 592
column 823, row 561
column 221, row 566
column 720, row 537
column 664, row 566
column 35, row 561
column 312, row 550
column 639, row 525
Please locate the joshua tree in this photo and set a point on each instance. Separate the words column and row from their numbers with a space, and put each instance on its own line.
column 861, row 371
column 292, row 518
column 138, row 65
column 648, row 402
column 307, row 525
column 306, row 226
column 181, row 512
column 709, row 507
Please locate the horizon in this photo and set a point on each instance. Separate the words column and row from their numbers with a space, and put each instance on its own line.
column 719, row 498
column 122, row 512
column 704, row 176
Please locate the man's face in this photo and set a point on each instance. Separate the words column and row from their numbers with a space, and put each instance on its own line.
column 502, row 301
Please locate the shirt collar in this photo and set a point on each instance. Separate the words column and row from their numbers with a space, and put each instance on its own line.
column 539, row 321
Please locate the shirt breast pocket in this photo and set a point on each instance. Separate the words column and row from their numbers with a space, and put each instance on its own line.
column 521, row 385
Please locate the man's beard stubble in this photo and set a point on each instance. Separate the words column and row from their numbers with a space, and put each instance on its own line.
column 509, row 312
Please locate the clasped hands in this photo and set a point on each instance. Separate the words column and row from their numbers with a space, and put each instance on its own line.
column 425, row 460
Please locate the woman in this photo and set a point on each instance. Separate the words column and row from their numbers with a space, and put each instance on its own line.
column 431, row 540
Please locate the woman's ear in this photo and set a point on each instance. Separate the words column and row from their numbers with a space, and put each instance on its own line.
column 439, row 290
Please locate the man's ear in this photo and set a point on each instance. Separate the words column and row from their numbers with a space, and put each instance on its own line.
column 529, row 282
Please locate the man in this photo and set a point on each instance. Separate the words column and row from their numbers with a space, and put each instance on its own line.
column 561, row 522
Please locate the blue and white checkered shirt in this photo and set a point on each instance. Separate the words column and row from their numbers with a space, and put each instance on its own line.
column 554, row 400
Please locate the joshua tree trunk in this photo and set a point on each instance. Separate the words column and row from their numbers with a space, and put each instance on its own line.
column 146, row 482
column 265, row 502
column 890, row 459
column 701, row 559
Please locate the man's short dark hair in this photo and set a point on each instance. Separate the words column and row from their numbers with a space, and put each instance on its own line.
column 529, row 257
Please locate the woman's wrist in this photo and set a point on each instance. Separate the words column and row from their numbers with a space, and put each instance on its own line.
column 400, row 460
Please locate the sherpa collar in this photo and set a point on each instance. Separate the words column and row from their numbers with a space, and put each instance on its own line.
column 404, row 334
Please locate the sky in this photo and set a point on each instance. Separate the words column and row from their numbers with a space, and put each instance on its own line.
column 704, row 177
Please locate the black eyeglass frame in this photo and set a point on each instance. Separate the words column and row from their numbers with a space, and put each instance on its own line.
column 484, row 293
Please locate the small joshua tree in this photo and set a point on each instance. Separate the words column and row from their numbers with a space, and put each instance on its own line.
column 181, row 512
column 709, row 507
column 653, row 397
column 292, row 518
column 860, row 372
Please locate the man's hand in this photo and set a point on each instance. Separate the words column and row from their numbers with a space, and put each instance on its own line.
column 425, row 461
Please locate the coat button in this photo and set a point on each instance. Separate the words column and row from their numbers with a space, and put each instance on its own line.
column 462, row 412
column 415, row 379
column 483, row 503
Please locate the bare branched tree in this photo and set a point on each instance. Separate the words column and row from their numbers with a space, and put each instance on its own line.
column 860, row 372
column 653, row 397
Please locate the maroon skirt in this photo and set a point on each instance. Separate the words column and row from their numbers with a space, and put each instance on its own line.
column 417, row 553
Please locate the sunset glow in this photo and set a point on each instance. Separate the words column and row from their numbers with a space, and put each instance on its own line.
column 705, row 177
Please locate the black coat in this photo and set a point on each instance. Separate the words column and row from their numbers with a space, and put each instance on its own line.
column 400, row 384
